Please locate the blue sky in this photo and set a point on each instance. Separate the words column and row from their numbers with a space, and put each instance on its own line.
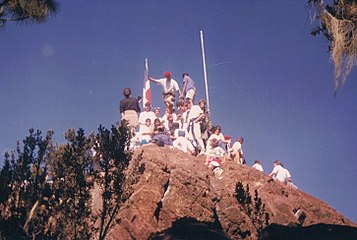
column 269, row 79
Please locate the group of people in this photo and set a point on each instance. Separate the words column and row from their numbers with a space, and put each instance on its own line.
column 186, row 126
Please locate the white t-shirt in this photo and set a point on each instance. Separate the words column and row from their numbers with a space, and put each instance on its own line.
column 236, row 146
column 195, row 111
column 164, row 118
column 258, row 166
column 168, row 86
column 145, row 115
column 183, row 144
column 281, row 174
column 219, row 137
column 144, row 129
column 215, row 152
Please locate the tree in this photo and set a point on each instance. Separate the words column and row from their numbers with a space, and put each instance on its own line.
column 5, row 179
column 338, row 23
column 112, row 157
column 26, row 10
column 255, row 210
column 46, row 189
column 25, row 187
column 71, row 201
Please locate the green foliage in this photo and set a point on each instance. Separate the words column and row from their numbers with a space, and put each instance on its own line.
column 112, row 158
column 255, row 209
column 5, row 179
column 71, row 185
column 46, row 189
column 24, row 186
column 22, row 10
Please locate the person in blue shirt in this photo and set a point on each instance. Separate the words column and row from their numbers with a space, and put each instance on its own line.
column 189, row 88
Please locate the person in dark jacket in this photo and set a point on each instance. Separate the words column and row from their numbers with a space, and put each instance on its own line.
column 129, row 108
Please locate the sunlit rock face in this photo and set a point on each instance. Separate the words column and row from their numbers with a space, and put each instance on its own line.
column 178, row 197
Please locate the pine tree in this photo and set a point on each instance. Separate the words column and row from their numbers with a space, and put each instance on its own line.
column 70, row 172
column 113, row 157
column 26, row 10
column 254, row 210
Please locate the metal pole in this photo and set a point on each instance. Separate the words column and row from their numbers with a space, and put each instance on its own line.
column 204, row 69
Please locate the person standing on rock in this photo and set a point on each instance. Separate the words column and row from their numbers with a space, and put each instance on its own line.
column 169, row 88
column 192, row 123
column 188, row 89
column 129, row 108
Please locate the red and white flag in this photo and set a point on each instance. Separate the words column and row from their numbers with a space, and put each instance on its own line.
column 146, row 88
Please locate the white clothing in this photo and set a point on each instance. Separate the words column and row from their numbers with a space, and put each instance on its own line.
column 168, row 86
column 281, row 174
column 216, row 152
column 218, row 137
column 164, row 118
column 195, row 112
column 145, row 115
column 144, row 129
column 185, row 119
column 236, row 146
column 190, row 94
column 183, row 144
column 258, row 167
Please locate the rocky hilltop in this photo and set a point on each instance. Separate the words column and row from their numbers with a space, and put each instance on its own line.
column 178, row 194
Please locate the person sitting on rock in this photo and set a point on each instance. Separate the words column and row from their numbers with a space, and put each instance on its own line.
column 281, row 174
column 219, row 137
column 157, row 124
column 182, row 143
column 161, row 138
column 168, row 113
column 215, row 157
column 258, row 166
column 237, row 151
column 145, row 132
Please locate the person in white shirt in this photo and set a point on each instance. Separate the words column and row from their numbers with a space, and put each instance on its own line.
column 237, row 151
column 193, row 116
column 169, row 88
column 157, row 112
column 145, row 132
column 182, row 143
column 279, row 173
column 258, row 166
column 215, row 157
column 147, row 113
column 217, row 134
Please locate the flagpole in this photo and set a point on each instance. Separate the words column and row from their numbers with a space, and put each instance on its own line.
column 204, row 69
column 146, row 87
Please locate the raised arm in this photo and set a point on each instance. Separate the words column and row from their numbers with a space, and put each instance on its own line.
column 153, row 80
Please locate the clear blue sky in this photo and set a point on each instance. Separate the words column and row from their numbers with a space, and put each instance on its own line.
column 269, row 79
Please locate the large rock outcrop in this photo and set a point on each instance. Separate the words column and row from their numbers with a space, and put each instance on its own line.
column 177, row 189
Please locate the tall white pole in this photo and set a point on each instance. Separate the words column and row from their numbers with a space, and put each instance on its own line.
column 204, row 69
